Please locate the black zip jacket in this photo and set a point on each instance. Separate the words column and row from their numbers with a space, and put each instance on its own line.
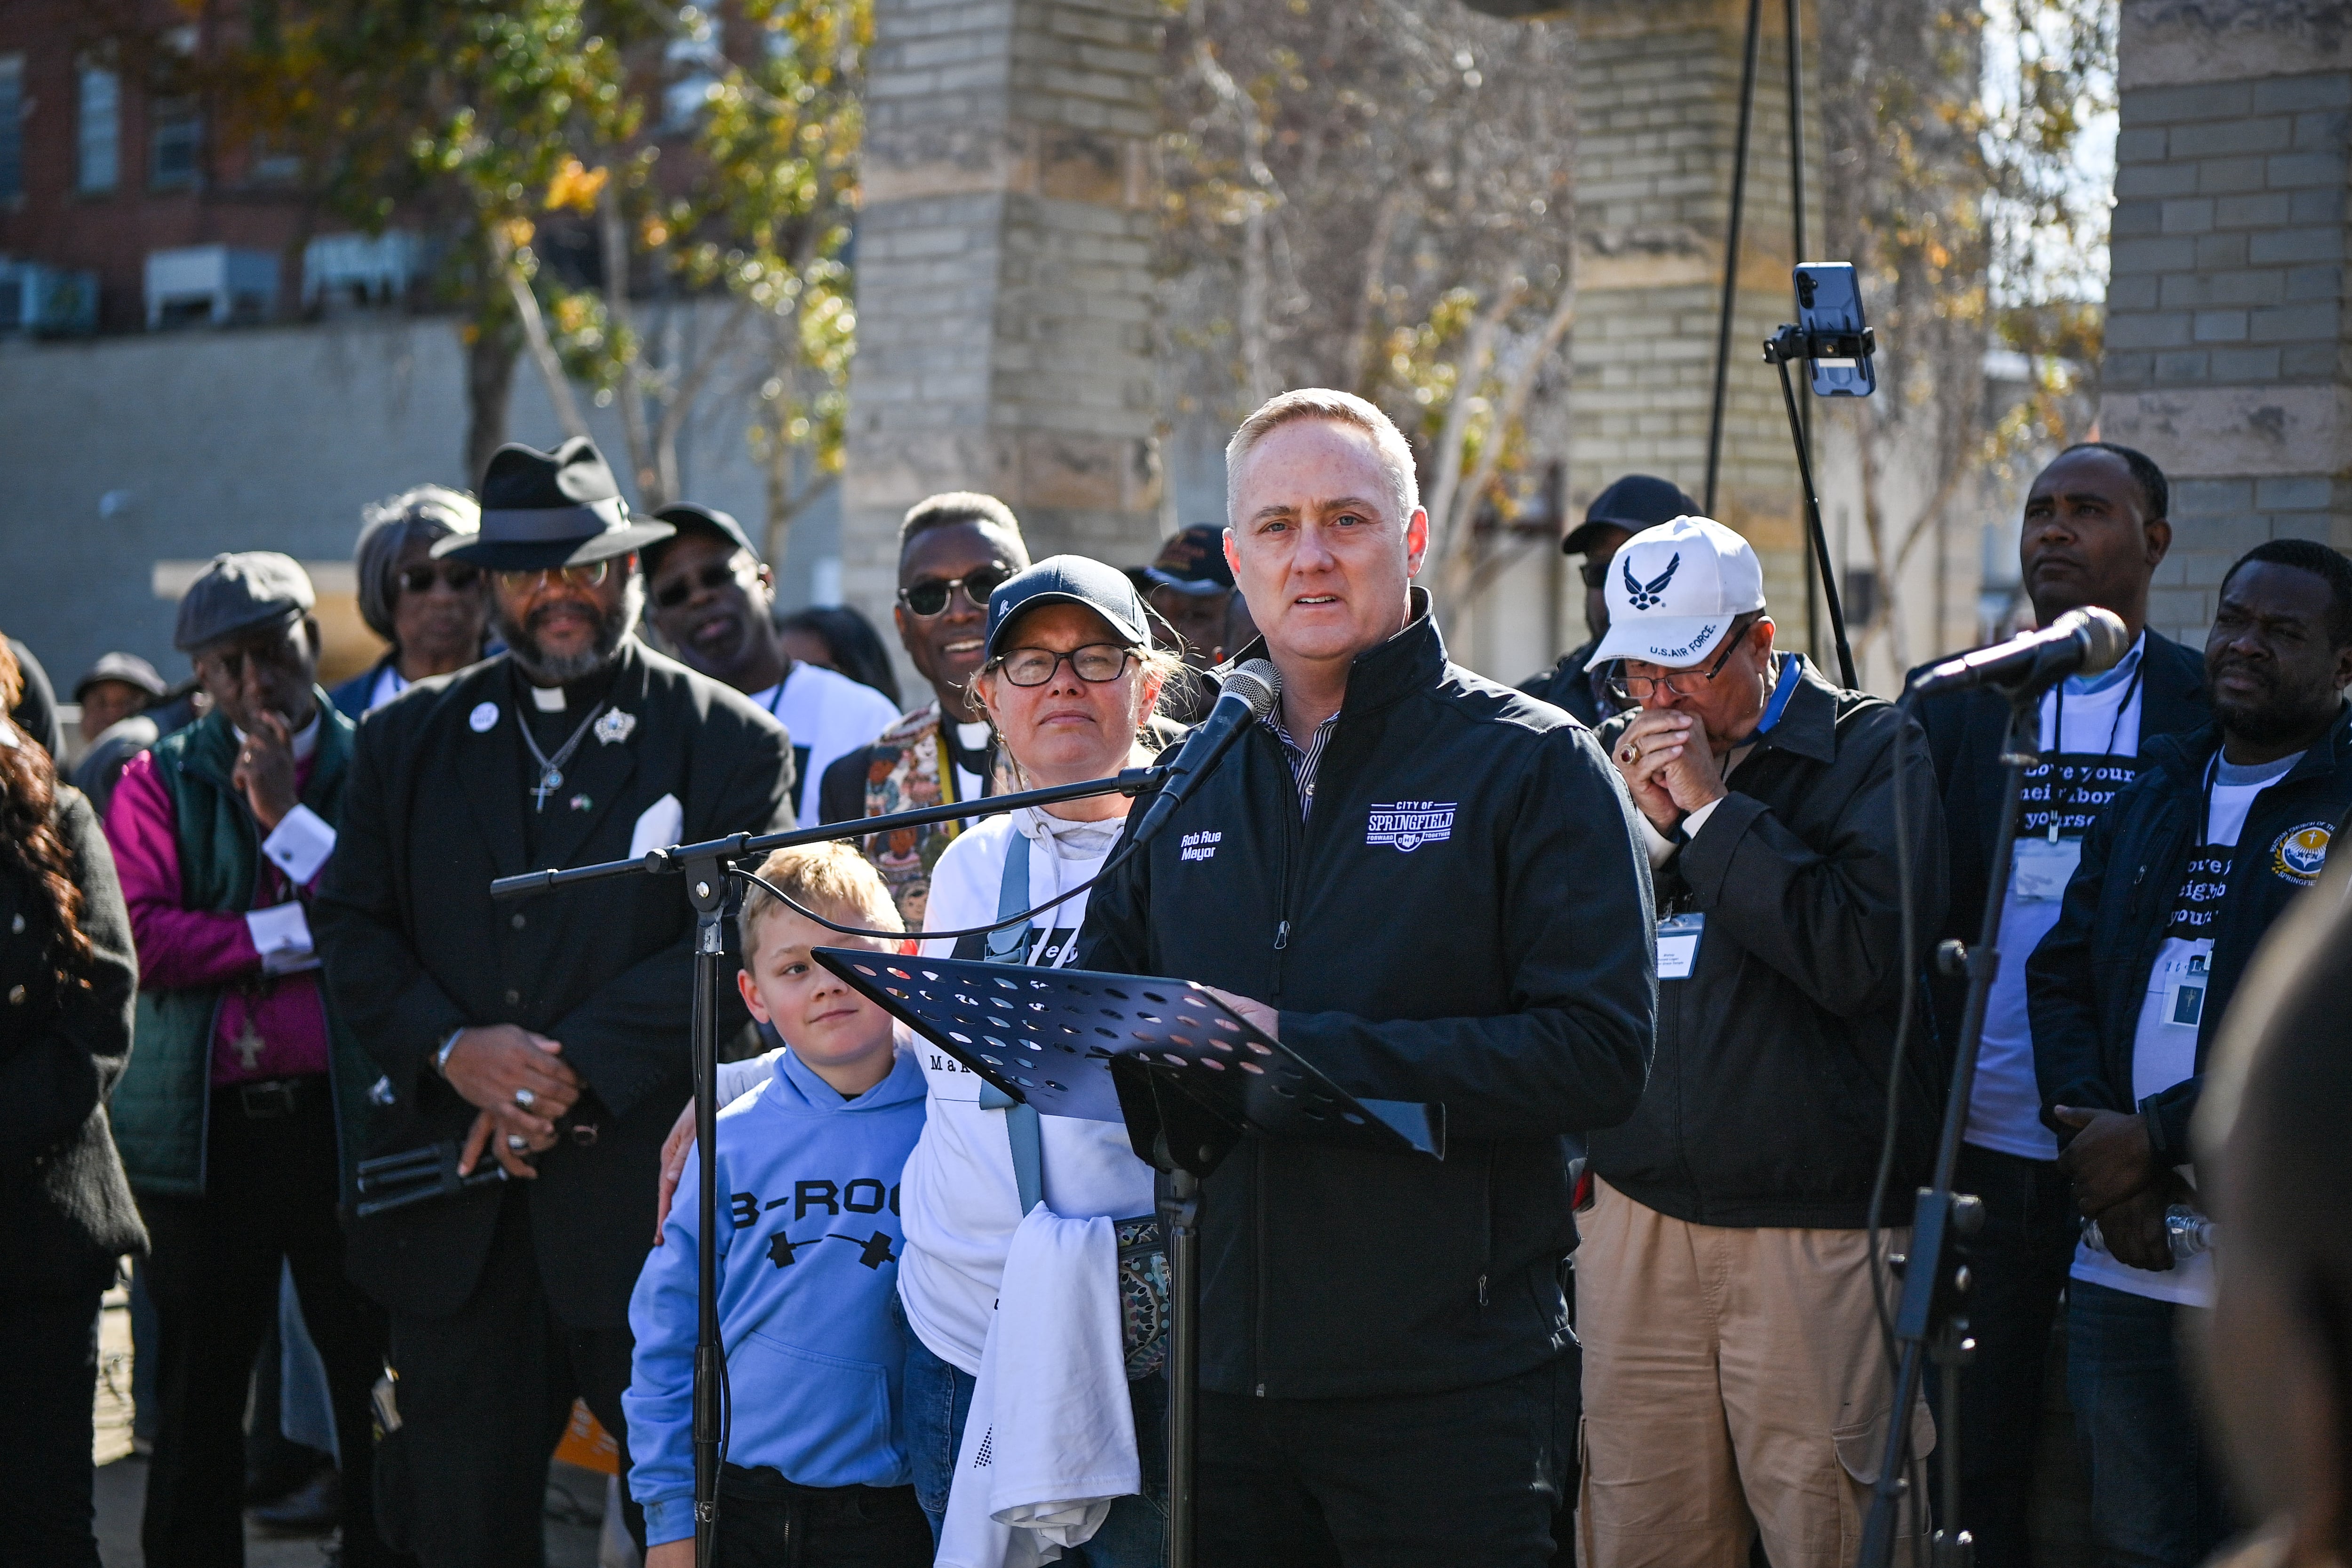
column 2085, row 983
column 1965, row 735
column 1768, row 1093
column 1500, row 963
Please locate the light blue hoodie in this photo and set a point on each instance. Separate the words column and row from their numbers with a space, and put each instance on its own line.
column 807, row 1272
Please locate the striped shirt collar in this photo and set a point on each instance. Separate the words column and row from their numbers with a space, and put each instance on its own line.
column 1303, row 761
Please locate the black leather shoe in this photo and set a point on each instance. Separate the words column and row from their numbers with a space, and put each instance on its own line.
column 312, row 1508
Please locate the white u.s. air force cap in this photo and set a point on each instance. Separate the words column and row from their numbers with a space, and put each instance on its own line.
column 1673, row 590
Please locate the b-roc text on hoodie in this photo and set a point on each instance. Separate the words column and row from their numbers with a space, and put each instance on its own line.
column 809, row 1243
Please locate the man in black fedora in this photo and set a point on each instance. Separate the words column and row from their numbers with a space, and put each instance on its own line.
column 550, row 1033
column 1619, row 512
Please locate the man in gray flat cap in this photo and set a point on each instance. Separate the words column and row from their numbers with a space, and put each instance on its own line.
column 548, row 1033
column 241, row 1111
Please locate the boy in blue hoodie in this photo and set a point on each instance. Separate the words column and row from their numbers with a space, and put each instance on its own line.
column 808, row 1164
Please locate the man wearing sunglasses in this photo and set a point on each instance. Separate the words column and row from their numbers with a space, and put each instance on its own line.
column 548, row 1033
column 434, row 614
column 1733, row 1378
column 1620, row 511
column 954, row 550
column 713, row 602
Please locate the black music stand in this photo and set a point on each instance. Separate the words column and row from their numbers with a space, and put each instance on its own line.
column 1184, row 1073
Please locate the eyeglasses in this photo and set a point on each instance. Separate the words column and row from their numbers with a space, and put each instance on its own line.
column 1639, row 688
column 419, row 579
column 929, row 596
column 1096, row 664
column 587, row 576
column 715, row 575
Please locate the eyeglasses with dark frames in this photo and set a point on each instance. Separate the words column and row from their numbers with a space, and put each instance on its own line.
column 712, row 574
column 1639, row 688
column 1097, row 664
column 460, row 576
column 929, row 596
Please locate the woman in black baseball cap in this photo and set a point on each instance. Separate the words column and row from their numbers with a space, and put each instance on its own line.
column 1069, row 679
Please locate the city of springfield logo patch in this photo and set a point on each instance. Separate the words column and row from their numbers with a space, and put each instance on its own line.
column 2299, row 854
column 1410, row 823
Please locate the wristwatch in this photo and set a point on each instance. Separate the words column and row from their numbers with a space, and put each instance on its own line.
column 441, row 1056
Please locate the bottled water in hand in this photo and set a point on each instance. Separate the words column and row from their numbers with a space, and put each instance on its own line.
column 2188, row 1232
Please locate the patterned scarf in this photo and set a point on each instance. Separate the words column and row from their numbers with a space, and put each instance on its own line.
column 909, row 769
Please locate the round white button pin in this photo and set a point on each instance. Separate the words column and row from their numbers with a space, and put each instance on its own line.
column 484, row 715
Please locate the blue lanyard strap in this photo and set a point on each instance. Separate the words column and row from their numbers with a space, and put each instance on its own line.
column 1784, row 685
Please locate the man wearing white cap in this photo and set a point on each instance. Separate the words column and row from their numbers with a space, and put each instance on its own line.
column 1733, row 1377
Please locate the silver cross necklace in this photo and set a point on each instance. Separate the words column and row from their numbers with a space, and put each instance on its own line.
column 550, row 769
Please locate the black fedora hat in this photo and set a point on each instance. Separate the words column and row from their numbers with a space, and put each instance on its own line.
column 544, row 509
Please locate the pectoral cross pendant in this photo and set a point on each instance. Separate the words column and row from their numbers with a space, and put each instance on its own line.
column 548, row 783
column 248, row 1047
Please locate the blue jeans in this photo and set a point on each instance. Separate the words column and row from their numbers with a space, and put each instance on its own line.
column 2155, row 1498
column 938, row 1398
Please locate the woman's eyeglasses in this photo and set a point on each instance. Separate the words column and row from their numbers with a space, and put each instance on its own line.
column 459, row 575
column 585, row 576
column 713, row 575
column 929, row 596
column 1639, row 688
column 1096, row 664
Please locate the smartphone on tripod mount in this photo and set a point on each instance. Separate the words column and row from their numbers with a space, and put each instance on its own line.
column 1829, row 303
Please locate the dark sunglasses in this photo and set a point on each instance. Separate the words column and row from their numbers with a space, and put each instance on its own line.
column 716, row 574
column 929, row 596
column 420, row 579
column 1595, row 573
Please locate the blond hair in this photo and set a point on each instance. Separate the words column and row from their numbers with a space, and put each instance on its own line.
column 1340, row 408
column 832, row 879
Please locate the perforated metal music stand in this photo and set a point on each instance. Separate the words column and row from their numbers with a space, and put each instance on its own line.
column 1184, row 1073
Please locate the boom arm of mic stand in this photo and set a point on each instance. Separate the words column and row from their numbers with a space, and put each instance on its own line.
column 745, row 846
column 1932, row 1287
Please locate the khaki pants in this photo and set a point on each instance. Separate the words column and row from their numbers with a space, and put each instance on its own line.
column 1733, row 1382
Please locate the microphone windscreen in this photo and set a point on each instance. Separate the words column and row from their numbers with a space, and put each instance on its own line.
column 1258, row 683
column 2105, row 639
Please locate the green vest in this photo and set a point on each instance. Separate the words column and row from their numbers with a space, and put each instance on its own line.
column 159, row 1109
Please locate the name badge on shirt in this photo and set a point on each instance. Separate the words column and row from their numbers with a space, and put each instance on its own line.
column 1678, row 946
column 2184, row 990
column 2041, row 868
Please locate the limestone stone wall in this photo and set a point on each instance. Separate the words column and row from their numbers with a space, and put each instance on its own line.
column 1004, row 277
column 2228, row 347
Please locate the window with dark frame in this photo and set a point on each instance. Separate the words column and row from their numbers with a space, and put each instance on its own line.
column 175, row 133
column 12, row 127
column 98, row 131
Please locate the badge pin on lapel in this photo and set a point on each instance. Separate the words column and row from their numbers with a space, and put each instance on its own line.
column 484, row 716
column 579, row 803
column 615, row 727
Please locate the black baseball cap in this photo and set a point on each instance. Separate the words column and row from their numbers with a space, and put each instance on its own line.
column 687, row 518
column 1192, row 562
column 1634, row 503
column 1068, row 580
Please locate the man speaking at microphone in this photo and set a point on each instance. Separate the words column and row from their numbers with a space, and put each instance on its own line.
column 1428, row 885
column 1733, row 1377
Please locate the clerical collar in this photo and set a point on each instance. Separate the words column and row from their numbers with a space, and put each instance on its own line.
column 306, row 738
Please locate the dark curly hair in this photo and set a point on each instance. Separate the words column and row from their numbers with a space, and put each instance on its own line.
column 30, row 849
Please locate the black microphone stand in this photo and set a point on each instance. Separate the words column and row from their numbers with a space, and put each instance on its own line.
column 1796, row 343
column 710, row 874
column 1929, row 1321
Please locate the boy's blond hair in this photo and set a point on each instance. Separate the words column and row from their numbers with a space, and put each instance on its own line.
column 832, row 879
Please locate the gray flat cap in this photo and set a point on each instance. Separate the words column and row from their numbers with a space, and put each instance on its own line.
column 248, row 588
column 126, row 667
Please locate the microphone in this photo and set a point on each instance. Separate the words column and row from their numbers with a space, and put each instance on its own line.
column 1249, row 695
column 2080, row 642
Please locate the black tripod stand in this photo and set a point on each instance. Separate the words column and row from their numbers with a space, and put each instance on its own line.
column 1929, row 1319
column 710, row 872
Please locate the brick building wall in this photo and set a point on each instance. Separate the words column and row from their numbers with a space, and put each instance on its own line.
column 52, row 220
column 1657, row 96
column 1004, row 277
column 2228, row 348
